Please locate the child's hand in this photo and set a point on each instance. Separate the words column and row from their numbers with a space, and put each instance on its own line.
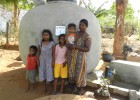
column 64, row 64
column 53, row 64
column 73, row 46
column 38, row 64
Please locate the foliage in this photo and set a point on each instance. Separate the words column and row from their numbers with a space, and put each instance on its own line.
column 97, row 12
column 14, row 6
column 109, row 20
column 22, row 4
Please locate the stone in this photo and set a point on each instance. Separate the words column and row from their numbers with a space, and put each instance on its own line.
column 53, row 14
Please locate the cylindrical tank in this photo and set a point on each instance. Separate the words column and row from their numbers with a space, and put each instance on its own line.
column 53, row 14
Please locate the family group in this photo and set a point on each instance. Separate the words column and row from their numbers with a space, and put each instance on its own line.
column 65, row 60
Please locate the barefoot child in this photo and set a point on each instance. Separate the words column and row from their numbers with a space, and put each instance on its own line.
column 60, row 68
column 45, row 49
column 31, row 67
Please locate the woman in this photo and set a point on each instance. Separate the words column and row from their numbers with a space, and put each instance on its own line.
column 77, row 57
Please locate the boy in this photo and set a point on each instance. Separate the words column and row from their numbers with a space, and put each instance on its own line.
column 70, row 39
column 70, row 36
column 31, row 67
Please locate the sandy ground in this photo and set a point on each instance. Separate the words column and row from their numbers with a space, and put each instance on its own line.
column 12, row 78
column 107, row 44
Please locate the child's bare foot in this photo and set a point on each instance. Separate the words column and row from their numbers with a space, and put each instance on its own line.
column 60, row 92
column 80, row 92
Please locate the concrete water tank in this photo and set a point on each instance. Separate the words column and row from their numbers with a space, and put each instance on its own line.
column 53, row 14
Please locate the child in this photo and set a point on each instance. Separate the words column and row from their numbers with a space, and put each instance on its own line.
column 45, row 49
column 60, row 68
column 31, row 67
column 70, row 37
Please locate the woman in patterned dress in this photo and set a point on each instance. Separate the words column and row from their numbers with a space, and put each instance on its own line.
column 77, row 60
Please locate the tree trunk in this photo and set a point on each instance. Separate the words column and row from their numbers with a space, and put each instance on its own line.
column 119, row 34
column 7, row 34
column 16, row 19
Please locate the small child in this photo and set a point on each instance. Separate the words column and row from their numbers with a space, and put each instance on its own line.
column 31, row 67
column 70, row 39
column 70, row 36
column 60, row 68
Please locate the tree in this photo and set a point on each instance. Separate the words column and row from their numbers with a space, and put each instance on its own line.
column 12, row 3
column 119, row 34
column 15, row 6
column 108, row 21
column 97, row 12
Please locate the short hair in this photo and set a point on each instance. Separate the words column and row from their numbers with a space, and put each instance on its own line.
column 72, row 25
column 33, row 47
column 84, row 21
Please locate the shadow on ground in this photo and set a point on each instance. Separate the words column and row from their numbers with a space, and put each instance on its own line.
column 15, row 64
column 13, row 83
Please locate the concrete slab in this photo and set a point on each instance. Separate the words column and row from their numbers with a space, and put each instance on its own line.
column 126, row 71
column 112, row 89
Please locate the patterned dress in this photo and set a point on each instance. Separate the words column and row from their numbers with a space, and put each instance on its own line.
column 45, row 69
column 77, row 63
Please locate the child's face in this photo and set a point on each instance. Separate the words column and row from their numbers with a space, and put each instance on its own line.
column 31, row 51
column 71, row 30
column 62, row 40
column 46, row 36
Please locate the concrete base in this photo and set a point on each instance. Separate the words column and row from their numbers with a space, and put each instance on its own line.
column 123, row 90
column 126, row 71
column 65, row 97
column 133, row 95
column 112, row 89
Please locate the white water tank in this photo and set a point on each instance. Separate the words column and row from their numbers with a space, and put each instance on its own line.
column 54, row 14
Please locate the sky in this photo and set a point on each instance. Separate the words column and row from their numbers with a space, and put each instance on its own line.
column 135, row 4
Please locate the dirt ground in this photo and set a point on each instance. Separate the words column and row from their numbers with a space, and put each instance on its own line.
column 12, row 75
column 133, row 42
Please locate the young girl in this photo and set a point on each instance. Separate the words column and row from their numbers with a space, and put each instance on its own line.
column 60, row 68
column 45, row 59
column 31, row 67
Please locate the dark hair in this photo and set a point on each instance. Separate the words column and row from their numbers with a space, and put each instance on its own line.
column 34, row 48
column 61, row 35
column 84, row 21
column 72, row 25
column 49, row 32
